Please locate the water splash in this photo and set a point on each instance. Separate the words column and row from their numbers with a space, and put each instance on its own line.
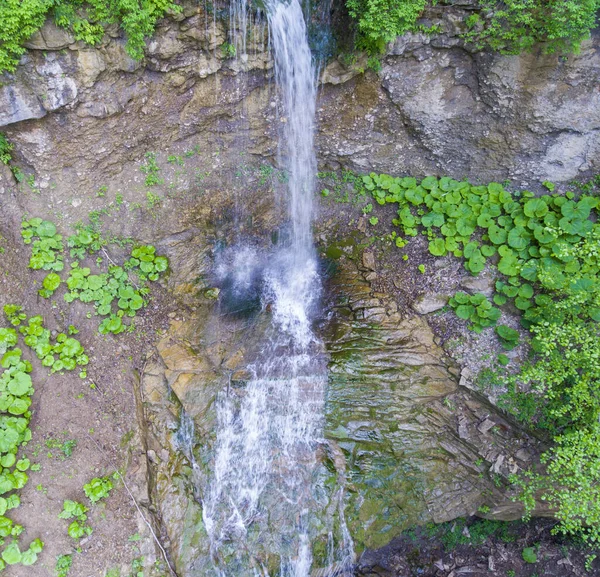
column 260, row 503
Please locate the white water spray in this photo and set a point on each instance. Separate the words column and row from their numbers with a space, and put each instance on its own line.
column 260, row 501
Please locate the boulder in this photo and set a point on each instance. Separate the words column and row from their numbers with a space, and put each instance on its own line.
column 18, row 102
column 50, row 37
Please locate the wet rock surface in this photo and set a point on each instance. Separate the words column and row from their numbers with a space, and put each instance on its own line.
column 417, row 447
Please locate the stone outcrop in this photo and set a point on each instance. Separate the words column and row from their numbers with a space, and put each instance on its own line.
column 434, row 107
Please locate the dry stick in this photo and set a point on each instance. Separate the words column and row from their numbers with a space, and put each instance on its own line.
column 136, row 505
column 115, row 264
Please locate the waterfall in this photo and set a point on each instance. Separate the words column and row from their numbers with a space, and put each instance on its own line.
column 260, row 503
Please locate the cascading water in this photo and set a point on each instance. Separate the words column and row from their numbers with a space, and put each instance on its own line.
column 259, row 507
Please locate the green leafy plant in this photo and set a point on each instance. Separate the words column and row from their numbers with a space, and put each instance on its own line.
column 98, row 488
column 60, row 353
column 66, row 447
column 379, row 22
column 50, row 283
column 512, row 26
column 509, row 338
column 85, row 241
column 228, row 50
column 16, row 389
column 46, row 244
column 63, row 565
column 6, row 149
column 529, row 555
column 475, row 308
column 151, row 169
column 86, row 19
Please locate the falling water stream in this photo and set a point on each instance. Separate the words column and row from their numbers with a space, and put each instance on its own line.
column 260, row 503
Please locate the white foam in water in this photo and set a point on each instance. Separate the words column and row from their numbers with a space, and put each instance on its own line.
column 260, row 499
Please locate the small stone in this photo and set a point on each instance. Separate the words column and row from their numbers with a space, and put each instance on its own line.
column 151, row 454
column 76, row 202
column 486, row 425
column 498, row 464
column 523, row 455
column 429, row 302
column 479, row 284
column 368, row 260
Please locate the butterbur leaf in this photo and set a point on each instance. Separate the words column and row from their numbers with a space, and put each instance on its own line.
column 45, row 229
column 76, row 531
column 465, row 311
column 72, row 347
column 437, row 247
column 20, row 384
column 98, row 488
column 161, row 263
column 28, row 558
column 535, row 207
column 51, row 282
column 507, row 333
column 36, row 546
column 461, row 298
column 13, row 501
column 12, row 554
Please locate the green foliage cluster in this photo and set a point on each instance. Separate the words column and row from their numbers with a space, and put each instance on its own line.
column 514, row 26
column 548, row 250
column 531, row 239
column 46, row 244
column 63, row 565
column 151, row 169
column 475, row 308
column 98, row 488
column 5, row 149
column 59, row 353
column 86, row 19
column 78, row 512
column 381, row 21
column 507, row 26
column 463, row 532
column 104, row 290
column 16, row 389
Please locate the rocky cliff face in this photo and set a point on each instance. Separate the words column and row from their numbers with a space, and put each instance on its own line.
column 435, row 107
column 399, row 428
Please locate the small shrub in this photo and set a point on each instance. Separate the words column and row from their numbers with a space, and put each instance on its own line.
column 97, row 489
column 5, row 149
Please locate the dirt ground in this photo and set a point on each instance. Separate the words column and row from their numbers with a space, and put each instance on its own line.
column 81, row 429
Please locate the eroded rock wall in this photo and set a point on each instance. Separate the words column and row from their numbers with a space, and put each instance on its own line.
column 435, row 106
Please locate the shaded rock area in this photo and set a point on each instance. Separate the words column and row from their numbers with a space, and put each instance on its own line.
column 477, row 548
column 417, row 447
